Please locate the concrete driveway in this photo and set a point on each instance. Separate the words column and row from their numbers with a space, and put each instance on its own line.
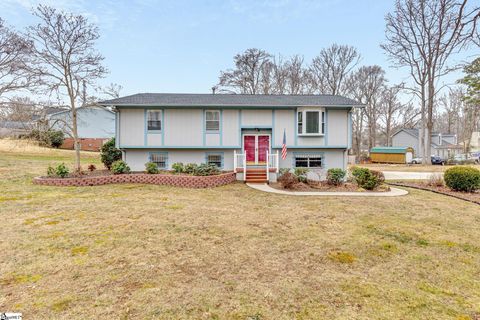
column 399, row 175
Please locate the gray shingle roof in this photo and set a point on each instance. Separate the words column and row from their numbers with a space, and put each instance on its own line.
column 225, row 100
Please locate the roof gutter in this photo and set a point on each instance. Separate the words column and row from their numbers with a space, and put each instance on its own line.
column 228, row 106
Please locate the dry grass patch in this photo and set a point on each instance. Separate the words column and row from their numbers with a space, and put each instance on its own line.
column 156, row 252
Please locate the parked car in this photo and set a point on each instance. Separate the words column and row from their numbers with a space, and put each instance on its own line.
column 435, row 160
column 475, row 156
column 463, row 159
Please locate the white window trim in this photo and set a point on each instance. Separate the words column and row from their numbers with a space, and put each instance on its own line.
column 219, row 119
column 304, row 122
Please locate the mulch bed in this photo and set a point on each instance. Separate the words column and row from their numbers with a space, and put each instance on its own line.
column 322, row 186
column 473, row 197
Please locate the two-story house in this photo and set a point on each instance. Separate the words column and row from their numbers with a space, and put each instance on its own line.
column 241, row 133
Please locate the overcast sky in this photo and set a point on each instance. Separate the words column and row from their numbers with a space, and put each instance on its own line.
column 181, row 46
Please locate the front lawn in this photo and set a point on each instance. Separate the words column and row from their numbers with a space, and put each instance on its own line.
column 145, row 251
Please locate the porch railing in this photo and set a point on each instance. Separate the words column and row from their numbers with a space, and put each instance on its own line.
column 273, row 161
column 240, row 162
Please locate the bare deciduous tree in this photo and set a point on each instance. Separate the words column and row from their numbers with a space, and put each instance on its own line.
column 423, row 35
column 248, row 75
column 332, row 66
column 366, row 85
column 15, row 53
column 112, row 91
column 64, row 50
column 389, row 111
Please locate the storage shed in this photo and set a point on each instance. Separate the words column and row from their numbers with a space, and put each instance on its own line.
column 391, row 154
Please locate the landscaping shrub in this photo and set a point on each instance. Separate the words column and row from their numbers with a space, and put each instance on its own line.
column 435, row 180
column 151, row 168
column 301, row 174
column 109, row 154
column 55, row 138
column 178, row 167
column 335, row 176
column 282, row 171
column 51, row 171
column 61, row 170
column 466, row 179
column 50, row 138
column 91, row 167
column 380, row 176
column 205, row 169
column 190, row 168
column 119, row 167
column 364, row 178
column 288, row 180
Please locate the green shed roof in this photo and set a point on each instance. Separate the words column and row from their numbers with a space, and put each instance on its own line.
column 390, row 149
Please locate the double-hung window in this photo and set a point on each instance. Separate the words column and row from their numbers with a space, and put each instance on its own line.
column 215, row 159
column 308, row 160
column 311, row 122
column 212, row 120
column 154, row 120
column 160, row 159
column 300, row 122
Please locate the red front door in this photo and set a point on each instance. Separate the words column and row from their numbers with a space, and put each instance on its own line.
column 263, row 146
column 249, row 147
column 256, row 147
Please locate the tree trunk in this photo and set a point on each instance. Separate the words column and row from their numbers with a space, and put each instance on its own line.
column 421, row 135
column 76, row 143
column 431, row 94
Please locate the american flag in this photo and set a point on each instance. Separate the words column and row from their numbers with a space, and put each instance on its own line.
column 284, row 145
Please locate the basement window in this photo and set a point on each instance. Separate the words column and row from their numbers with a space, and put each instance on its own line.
column 160, row 159
column 308, row 161
column 215, row 159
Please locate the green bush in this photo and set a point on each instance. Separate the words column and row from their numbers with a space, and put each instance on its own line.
column 119, row 167
column 109, row 154
column 50, row 138
column 61, row 170
column 55, row 138
column 190, row 168
column 151, row 168
column 206, row 169
column 466, row 179
column 301, row 174
column 51, row 171
column 178, row 167
column 365, row 178
column 335, row 176
column 380, row 176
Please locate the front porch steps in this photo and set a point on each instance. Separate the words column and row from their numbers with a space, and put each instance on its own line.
column 254, row 175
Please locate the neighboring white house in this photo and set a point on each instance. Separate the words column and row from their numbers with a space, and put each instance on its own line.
column 92, row 122
column 95, row 124
column 443, row 145
column 235, row 132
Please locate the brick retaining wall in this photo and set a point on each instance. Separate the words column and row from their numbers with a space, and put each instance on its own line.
column 160, row 179
column 86, row 144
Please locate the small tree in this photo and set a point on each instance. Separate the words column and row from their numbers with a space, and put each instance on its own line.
column 65, row 58
column 109, row 154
